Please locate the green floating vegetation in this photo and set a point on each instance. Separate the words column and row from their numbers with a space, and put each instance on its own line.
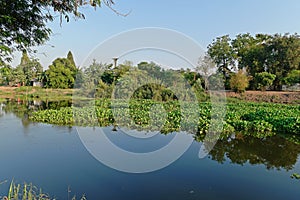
column 295, row 176
column 256, row 119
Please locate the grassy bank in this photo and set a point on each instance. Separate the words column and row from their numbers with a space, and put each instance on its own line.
column 25, row 92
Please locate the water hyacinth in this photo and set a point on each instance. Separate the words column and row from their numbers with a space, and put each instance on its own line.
column 256, row 119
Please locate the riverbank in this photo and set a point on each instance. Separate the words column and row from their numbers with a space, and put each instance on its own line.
column 283, row 97
column 36, row 93
column 267, row 96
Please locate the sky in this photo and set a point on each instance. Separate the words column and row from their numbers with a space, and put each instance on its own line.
column 200, row 20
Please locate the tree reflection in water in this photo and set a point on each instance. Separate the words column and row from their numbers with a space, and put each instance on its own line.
column 274, row 152
column 21, row 108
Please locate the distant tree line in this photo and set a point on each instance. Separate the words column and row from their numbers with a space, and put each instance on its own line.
column 60, row 74
column 257, row 62
column 268, row 61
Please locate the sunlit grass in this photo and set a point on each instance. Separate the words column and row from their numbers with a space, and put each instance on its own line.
column 26, row 191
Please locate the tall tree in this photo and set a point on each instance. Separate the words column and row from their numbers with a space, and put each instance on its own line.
column 283, row 56
column 27, row 70
column 205, row 68
column 222, row 54
column 24, row 59
column 61, row 74
column 71, row 58
column 242, row 44
column 276, row 54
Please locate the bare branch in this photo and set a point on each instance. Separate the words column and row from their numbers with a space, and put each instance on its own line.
column 109, row 4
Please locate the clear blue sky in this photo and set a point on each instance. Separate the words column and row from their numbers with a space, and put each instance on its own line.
column 202, row 20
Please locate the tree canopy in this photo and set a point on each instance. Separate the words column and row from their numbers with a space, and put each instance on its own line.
column 61, row 74
column 27, row 71
column 24, row 22
column 275, row 54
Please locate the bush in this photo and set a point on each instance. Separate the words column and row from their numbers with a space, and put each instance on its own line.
column 264, row 80
column 239, row 82
column 292, row 78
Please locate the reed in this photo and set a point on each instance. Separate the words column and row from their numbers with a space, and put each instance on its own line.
column 29, row 192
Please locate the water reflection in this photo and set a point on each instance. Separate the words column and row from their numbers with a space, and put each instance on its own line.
column 273, row 152
column 21, row 108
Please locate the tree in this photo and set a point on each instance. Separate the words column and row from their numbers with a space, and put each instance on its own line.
column 24, row 59
column 71, row 58
column 205, row 68
column 5, row 74
column 94, row 72
column 241, row 46
column 151, row 68
column 292, row 78
column 239, row 82
column 33, row 71
column 283, row 56
column 18, row 76
column 277, row 54
column 221, row 52
column 91, row 78
column 61, row 74
column 24, row 23
column 264, row 80
column 251, row 53
column 26, row 71
column 223, row 55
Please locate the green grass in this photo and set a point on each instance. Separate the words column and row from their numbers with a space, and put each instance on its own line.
column 30, row 192
column 31, row 93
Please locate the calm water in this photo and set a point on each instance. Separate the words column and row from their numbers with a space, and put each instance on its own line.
column 53, row 158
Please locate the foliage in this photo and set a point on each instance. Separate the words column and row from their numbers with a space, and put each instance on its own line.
column 239, row 82
column 292, row 78
column 24, row 23
column 144, row 81
column 28, row 70
column 205, row 68
column 221, row 52
column 216, row 82
column 258, row 120
column 25, row 192
column 61, row 74
column 5, row 74
column 264, row 80
column 260, row 56
column 295, row 176
column 29, row 192
column 276, row 54
column 71, row 58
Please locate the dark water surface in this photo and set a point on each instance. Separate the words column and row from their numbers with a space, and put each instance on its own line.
column 53, row 158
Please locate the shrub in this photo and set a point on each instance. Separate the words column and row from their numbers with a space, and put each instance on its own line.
column 239, row 82
column 264, row 80
column 292, row 78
